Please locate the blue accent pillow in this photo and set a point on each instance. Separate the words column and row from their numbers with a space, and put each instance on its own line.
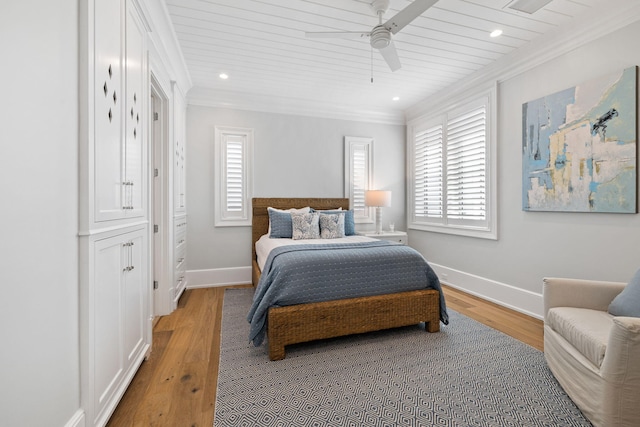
column 281, row 225
column 349, row 222
column 627, row 303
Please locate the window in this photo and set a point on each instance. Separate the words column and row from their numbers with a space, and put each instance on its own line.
column 233, row 151
column 358, row 158
column 452, row 171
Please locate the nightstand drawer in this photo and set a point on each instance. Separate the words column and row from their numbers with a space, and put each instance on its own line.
column 393, row 236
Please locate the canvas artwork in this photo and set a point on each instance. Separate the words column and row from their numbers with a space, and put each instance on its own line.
column 579, row 147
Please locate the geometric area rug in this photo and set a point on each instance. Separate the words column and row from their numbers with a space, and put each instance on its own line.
column 465, row 375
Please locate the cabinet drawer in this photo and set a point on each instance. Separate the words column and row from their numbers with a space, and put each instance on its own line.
column 180, row 226
column 392, row 236
column 180, row 255
column 180, row 278
column 180, row 241
column 399, row 239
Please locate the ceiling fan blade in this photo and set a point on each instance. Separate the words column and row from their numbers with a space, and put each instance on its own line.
column 337, row 34
column 390, row 55
column 408, row 14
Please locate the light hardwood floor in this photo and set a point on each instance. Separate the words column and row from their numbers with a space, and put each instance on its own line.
column 176, row 385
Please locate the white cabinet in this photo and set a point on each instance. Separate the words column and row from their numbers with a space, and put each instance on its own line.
column 115, row 287
column 179, row 171
column 118, row 98
column 115, row 306
column 179, row 197
column 179, row 177
column 393, row 236
column 134, row 170
column 180, row 256
column 106, row 97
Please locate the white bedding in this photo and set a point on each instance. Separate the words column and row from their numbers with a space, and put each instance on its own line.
column 265, row 244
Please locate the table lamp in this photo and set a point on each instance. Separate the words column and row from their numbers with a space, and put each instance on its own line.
column 378, row 199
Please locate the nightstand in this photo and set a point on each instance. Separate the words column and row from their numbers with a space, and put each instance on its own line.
column 394, row 236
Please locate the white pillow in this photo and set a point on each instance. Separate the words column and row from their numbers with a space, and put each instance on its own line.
column 332, row 225
column 305, row 226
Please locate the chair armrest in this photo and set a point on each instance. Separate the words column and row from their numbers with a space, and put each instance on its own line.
column 592, row 294
column 620, row 370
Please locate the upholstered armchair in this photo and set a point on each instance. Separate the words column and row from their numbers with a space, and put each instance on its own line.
column 594, row 352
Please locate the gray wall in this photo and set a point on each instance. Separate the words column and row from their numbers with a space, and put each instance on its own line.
column 532, row 245
column 294, row 156
column 39, row 363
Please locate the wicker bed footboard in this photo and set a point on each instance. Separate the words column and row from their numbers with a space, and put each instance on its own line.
column 307, row 322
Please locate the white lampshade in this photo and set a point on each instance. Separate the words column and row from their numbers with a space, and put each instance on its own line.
column 377, row 198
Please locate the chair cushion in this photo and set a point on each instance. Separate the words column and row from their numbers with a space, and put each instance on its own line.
column 585, row 329
column 627, row 302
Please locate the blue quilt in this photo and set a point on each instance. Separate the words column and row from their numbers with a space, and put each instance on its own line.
column 306, row 273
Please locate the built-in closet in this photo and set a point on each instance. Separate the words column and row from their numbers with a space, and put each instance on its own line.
column 132, row 222
column 115, row 292
column 179, row 196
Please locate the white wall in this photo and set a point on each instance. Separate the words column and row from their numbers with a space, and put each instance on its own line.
column 532, row 245
column 39, row 186
column 294, row 156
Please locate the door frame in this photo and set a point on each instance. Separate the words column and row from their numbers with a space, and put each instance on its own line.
column 160, row 208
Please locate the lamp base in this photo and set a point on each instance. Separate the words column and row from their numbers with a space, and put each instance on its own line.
column 378, row 220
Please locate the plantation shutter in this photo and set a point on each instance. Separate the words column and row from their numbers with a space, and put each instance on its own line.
column 466, row 166
column 235, row 193
column 233, row 176
column 453, row 170
column 360, row 178
column 428, row 179
column 358, row 172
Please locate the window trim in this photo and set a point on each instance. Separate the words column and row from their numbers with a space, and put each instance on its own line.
column 489, row 230
column 222, row 217
column 352, row 143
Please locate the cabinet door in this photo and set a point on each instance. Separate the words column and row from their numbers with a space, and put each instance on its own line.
column 179, row 171
column 134, row 293
column 135, row 116
column 108, row 98
column 119, row 299
column 107, row 327
column 179, row 178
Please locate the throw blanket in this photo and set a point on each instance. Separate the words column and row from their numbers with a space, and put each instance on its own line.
column 301, row 274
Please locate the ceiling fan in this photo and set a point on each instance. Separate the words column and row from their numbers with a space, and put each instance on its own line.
column 380, row 35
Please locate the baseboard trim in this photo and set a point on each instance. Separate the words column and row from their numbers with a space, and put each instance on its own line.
column 218, row 277
column 77, row 420
column 523, row 301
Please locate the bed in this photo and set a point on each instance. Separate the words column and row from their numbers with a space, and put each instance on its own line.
column 302, row 322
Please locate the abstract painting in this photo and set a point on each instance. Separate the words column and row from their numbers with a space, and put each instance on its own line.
column 579, row 147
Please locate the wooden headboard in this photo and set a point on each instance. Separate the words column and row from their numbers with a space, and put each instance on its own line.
column 260, row 221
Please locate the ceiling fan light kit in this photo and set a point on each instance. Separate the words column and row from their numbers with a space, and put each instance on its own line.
column 380, row 36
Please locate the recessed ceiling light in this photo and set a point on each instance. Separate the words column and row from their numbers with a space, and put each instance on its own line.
column 396, row 98
column 496, row 33
column 223, row 76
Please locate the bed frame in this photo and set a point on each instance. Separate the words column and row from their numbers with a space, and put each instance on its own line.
column 307, row 322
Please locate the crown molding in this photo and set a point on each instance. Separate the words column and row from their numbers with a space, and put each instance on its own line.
column 163, row 38
column 598, row 22
column 207, row 97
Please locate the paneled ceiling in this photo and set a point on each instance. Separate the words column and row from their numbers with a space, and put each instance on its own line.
column 262, row 47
